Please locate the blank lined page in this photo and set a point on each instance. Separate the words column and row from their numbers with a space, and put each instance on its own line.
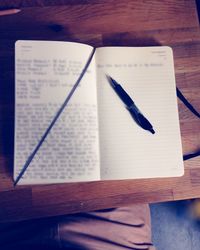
column 128, row 151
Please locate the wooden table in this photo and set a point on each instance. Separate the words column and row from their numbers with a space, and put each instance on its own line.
column 100, row 22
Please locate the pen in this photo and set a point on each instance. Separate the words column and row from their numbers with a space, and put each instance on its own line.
column 132, row 108
column 9, row 12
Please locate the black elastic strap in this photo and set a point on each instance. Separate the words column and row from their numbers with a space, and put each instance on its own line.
column 187, row 104
column 195, row 112
column 189, row 156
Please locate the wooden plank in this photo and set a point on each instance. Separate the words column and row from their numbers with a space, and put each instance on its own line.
column 100, row 23
column 98, row 18
column 14, row 203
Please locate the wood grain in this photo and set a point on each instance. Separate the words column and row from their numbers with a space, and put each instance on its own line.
column 99, row 23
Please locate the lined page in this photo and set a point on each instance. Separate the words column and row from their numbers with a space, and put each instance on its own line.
column 45, row 74
column 128, row 151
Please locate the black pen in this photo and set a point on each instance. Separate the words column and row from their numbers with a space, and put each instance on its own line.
column 132, row 108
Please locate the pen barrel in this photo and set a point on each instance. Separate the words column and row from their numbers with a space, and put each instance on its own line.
column 123, row 95
column 134, row 111
column 140, row 119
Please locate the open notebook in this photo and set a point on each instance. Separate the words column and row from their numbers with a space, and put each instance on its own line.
column 95, row 138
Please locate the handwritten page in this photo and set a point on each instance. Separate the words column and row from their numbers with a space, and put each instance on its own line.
column 45, row 73
column 128, row 151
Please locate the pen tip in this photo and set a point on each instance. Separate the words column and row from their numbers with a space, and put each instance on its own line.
column 152, row 131
column 108, row 78
column 15, row 182
column 112, row 82
column 16, row 10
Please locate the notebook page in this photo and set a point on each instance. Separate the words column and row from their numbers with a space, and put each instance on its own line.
column 128, row 151
column 45, row 73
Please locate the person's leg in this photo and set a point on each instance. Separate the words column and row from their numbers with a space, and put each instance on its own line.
column 112, row 229
column 28, row 235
